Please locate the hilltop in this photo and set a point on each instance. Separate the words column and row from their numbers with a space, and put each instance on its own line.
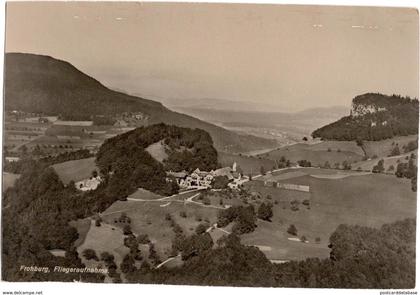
column 128, row 160
column 373, row 117
column 45, row 85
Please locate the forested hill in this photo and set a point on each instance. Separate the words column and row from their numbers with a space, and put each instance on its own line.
column 374, row 116
column 42, row 84
column 131, row 166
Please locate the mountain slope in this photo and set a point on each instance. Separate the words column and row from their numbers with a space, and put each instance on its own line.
column 374, row 116
column 42, row 84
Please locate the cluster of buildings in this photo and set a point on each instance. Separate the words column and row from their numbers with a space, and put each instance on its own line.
column 204, row 179
column 88, row 184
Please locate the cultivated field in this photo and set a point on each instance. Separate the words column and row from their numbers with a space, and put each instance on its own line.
column 75, row 170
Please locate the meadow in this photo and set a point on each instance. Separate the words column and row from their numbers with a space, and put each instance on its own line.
column 75, row 170
column 369, row 200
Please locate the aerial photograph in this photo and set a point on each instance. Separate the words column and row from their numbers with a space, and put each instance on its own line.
column 210, row 144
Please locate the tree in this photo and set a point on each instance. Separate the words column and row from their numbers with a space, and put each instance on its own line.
column 346, row 165
column 220, row 182
column 200, row 229
column 128, row 264
column 395, row 151
column 195, row 245
column 292, row 230
column 414, row 184
column 265, row 212
column 90, row 254
column 98, row 222
column 304, row 163
column 183, row 214
column 379, row 168
column 127, row 229
column 143, row 239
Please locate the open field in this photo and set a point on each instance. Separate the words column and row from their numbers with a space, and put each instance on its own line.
column 384, row 147
column 149, row 217
column 9, row 180
column 157, row 151
column 104, row 238
column 82, row 226
column 315, row 154
column 344, row 146
column 370, row 200
column 75, row 170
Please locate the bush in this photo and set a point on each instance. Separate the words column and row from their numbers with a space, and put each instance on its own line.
column 127, row 230
column 183, row 214
column 317, row 240
column 220, row 182
column 292, row 230
column 90, row 254
column 200, row 229
column 107, row 257
column 206, row 200
column 143, row 239
column 265, row 212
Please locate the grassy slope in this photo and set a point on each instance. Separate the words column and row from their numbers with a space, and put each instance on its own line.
column 318, row 154
column 384, row 147
column 370, row 200
column 75, row 170
column 388, row 161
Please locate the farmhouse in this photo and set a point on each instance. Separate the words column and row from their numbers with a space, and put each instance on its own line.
column 88, row 184
column 200, row 178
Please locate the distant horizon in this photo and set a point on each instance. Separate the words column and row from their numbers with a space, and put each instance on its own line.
column 286, row 57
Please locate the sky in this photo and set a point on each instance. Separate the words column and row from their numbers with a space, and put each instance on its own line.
column 289, row 57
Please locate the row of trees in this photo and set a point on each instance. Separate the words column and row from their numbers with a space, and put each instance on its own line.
column 355, row 252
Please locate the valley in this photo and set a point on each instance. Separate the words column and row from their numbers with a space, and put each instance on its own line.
column 146, row 192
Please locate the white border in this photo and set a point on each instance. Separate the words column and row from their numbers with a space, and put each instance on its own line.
column 84, row 288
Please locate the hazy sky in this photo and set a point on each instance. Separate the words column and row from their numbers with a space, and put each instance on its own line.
column 294, row 57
